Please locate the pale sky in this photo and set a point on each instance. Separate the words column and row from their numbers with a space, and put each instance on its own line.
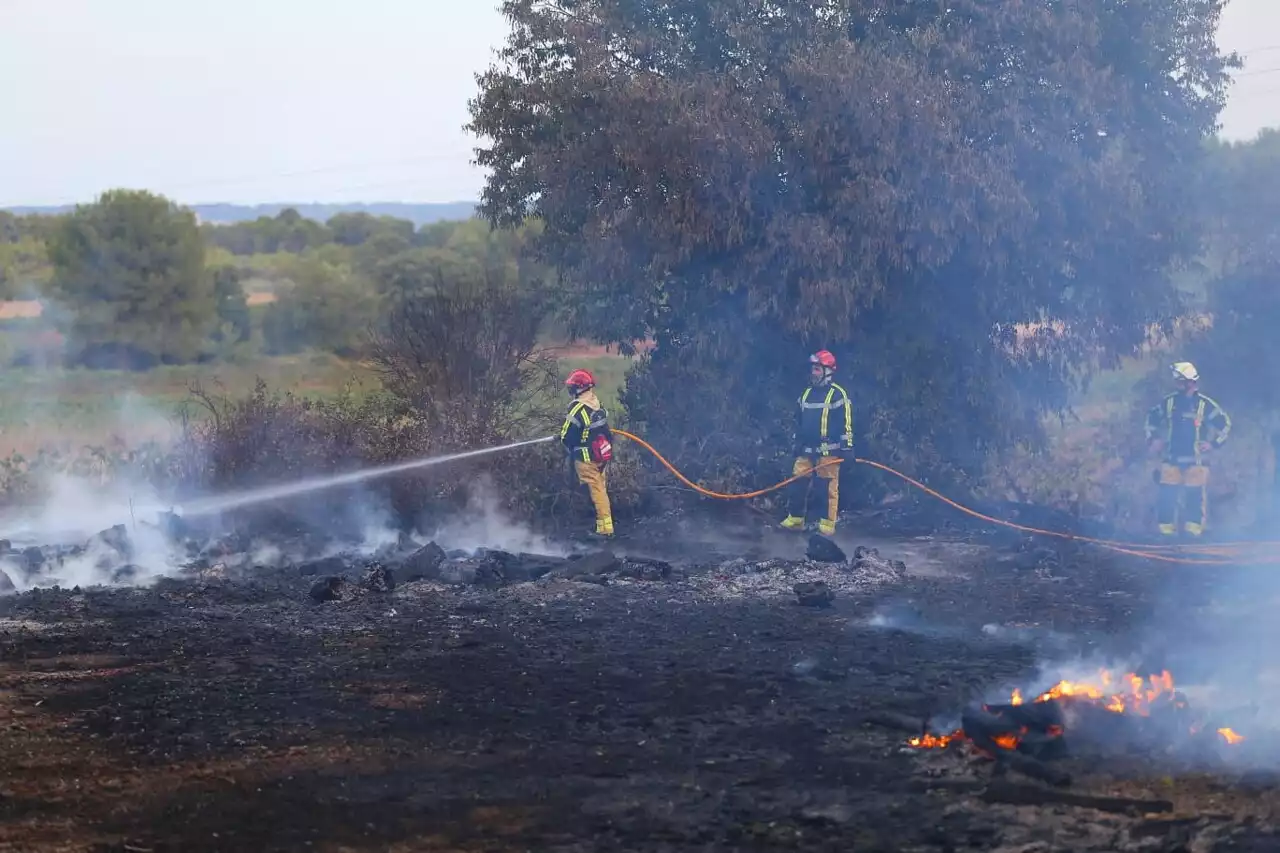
column 307, row 100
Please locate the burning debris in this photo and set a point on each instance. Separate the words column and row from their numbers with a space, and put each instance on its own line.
column 1130, row 714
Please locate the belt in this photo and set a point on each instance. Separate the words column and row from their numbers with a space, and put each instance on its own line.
column 824, row 447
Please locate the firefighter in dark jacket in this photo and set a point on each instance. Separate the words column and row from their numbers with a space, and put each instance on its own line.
column 589, row 442
column 1186, row 426
column 823, row 434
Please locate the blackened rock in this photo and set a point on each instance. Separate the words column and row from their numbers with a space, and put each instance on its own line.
column 6, row 585
column 331, row 589
column 497, row 568
column 815, row 594
column 645, row 570
column 462, row 573
column 595, row 563
column 422, row 564
column 232, row 543
column 862, row 551
column 34, row 555
column 377, row 578
column 538, row 565
column 116, row 538
column 125, row 573
column 174, row 526
column 326, row 566
column 5, row 546
column 823, row 550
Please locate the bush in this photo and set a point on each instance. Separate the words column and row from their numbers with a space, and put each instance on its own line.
column 461, row 369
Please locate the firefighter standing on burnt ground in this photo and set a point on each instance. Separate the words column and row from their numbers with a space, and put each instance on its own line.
column 1181, row 426
column 823, row 434
column 589, row 442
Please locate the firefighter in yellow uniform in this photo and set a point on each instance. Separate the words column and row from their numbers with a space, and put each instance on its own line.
column 1186, row 426
column 823, row 434
column 589, row 442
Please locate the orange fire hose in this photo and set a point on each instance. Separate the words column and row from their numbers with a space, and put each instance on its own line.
column 1225, row 554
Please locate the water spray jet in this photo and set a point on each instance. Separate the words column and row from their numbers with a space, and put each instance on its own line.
column 214, row 505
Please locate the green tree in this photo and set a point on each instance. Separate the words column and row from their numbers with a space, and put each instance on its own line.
column 129, row 283
column 897, row 182
column 356, row 229
column 24, row 268
column 321, row 305
column 1240, row 355
column 288, row 231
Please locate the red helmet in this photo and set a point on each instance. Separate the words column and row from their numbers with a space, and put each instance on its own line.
column 823, row 358
column 580, row 379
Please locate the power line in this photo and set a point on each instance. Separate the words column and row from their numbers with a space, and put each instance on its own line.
column 1262, row 49
column 1272, row 70
column 1255, row 93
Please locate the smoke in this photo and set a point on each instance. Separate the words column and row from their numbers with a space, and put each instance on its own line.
column 1215, row 630
column 69, row 507
column 484, row 524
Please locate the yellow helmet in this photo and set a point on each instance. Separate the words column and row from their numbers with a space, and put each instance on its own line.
column 1185, row 371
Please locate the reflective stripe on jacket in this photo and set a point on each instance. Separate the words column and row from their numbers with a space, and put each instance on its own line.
column 813, row 430
column 586, row 419
column 1182, row 418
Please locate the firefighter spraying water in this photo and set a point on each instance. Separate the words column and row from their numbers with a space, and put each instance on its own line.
column 588, row 440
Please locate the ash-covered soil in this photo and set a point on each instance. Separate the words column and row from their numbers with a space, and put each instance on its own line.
column 678, row 694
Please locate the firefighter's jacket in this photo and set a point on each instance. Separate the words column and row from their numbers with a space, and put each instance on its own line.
column 586, row 420
column 1185, row 420
column 824, row 421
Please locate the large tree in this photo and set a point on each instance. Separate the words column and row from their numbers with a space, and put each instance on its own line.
column 747, row 180
column 129, row 281
column 1239, row 358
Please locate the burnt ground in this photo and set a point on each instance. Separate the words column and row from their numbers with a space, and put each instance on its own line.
column 704, row 710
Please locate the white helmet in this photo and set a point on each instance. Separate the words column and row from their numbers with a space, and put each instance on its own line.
column 1185, row 371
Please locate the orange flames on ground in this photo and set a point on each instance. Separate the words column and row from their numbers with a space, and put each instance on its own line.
column 1130, row 694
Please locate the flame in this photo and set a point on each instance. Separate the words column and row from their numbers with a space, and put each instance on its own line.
column 1138, row 699
column 1128, row 694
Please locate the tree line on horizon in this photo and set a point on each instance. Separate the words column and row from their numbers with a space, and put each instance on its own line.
column 131, row 281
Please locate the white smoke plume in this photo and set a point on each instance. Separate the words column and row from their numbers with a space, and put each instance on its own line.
column 485, row 525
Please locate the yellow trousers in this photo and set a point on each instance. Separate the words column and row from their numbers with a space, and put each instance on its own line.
column 593, row 477
column 800, row 488
column 1176, row 483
